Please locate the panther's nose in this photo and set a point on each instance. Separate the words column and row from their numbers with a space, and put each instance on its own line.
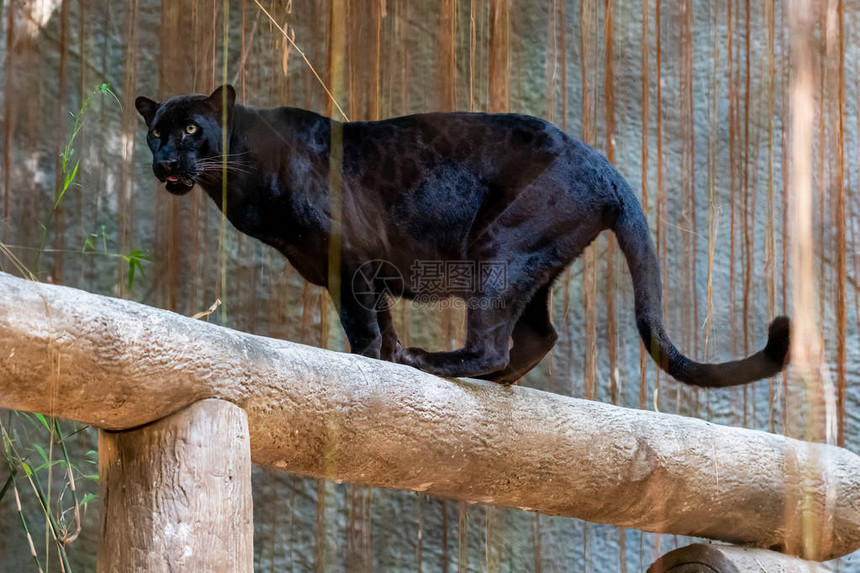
column 169, row 165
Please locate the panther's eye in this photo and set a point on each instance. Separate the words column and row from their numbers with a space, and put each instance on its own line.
column 155, row 133
column 191, row 128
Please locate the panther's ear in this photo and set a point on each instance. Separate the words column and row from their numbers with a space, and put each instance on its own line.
column 146, row 108
column 223, row 99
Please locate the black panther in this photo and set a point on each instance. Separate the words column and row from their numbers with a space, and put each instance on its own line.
column 502, row 189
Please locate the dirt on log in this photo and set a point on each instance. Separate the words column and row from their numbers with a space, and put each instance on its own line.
column 116, row 364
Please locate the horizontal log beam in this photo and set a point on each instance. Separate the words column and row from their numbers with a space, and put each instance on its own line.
column 116, row 364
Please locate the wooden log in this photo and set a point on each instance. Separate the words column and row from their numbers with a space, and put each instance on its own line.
column 701, row 558
column 117, row 364
column 176, row 494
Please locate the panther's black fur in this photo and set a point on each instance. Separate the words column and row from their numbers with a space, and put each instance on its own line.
column 500, row 189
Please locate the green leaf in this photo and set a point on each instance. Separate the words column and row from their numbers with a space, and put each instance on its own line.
column 42, row 453
column 105, row 89
column 87, row 498
column 40, row 467
column 131, row 266
column 75, row 170
column 69, row 178
column 42, row 419
column 135, row 262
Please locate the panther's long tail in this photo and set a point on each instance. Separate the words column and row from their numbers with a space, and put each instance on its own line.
column 634, row 238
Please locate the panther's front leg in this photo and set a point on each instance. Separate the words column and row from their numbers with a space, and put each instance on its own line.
column 361, row 324
column 390, row 344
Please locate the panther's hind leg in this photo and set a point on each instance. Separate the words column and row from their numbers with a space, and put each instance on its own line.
column 533, row 337
column 485, row 351
column 533, row 251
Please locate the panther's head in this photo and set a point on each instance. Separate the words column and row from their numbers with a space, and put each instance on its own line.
column 185, row 135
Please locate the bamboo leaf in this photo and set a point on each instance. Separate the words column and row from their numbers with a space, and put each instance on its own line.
column 42, row 453
column 42, row 419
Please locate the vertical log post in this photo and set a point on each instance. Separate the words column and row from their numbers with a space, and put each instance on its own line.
column 176, row 494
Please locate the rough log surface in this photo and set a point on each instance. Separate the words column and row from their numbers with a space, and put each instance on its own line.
column 176, row 494
column 117, row 364
column 701, row 558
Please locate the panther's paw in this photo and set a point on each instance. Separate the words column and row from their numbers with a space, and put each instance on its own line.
column 414, row 357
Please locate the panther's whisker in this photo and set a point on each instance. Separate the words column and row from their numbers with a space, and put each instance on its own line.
column 218, row 167
column 221, row 166
column 219, row 162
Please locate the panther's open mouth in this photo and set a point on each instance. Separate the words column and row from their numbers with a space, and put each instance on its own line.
column 178, row 184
